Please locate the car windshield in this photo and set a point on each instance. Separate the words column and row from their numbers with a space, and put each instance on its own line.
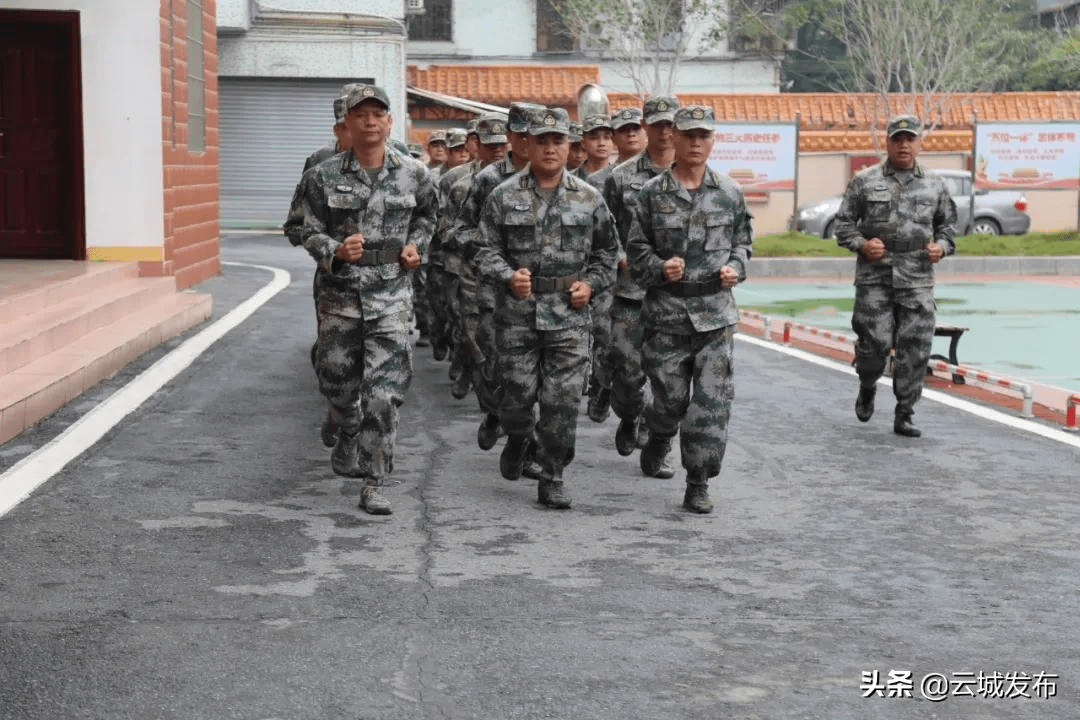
column 956, row 185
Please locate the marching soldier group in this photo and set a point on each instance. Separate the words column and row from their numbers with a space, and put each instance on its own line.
column 544, row 279
column 540, row 283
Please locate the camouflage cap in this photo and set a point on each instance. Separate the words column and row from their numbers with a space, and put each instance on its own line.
column 437, row 136
column 339, row 109
column 595, row 122
column 415, row 150
column 904, row 124
column 491, row 128
column 575, row 132
column 695, row 117
column 361, row 92
column 659, row 109
column 627, row 116
column 549, row 120
column 455, row 137
column 518, row 118
column 470, row 127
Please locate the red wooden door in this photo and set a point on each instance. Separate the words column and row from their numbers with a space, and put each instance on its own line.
column 41, row 178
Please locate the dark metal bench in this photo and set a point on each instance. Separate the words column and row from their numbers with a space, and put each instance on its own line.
column 953, row 332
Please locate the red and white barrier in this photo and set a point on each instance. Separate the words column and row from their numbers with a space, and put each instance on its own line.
column 765, row 320
column 810, row 329
column 1070, row 413
column 984, row 377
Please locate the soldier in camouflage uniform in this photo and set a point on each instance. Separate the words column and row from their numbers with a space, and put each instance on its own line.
column 369, row 213
column 547, row 241
column 441, row 285
column 621, row 370
column 596, row 142
column 627, row 133
column 437, row 153
column 899, row 218
column 689, row 245
column 486, row 380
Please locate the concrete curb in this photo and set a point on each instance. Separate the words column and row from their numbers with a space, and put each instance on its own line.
column 842, row 267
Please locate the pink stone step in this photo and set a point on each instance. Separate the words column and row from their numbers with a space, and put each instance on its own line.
column 27, row 286
column 39, row 388
column 71, row 316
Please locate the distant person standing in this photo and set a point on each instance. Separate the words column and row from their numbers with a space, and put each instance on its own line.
column 899, row 218
column 369, row 213
column 437, row 153
column 628, row 135
column 689, row 245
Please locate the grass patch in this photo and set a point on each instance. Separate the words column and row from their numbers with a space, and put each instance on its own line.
column 794, row 244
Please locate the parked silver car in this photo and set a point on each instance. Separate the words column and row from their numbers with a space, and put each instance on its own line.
column 997, row 212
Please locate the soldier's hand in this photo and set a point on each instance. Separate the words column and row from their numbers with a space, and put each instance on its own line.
column 873, row 249
column 624, row 264
column 351, row 249
column 935, row 251
column 520, row 283
column 672, row 270
column 409, row 258
column 580, row 292
column 729, row 276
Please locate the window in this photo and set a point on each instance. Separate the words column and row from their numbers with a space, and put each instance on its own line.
column 435, row 23
column 552, row 34
column 196, row 82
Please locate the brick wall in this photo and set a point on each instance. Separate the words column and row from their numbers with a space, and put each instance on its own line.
column 191, row 221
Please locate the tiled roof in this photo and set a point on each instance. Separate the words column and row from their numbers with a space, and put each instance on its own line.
column 503, row 84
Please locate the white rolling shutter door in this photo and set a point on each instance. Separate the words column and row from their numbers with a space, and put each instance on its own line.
column 268, row 128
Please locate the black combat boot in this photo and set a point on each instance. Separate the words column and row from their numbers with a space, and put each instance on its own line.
column 599, row 402
column 864, row 404
column 460, row 387
column 550, row 493
column 489, row 431
column 902, row 425
column 440, row 349
column 696, row 498
column 513, row 456
column 626, row 435
column 654, row 461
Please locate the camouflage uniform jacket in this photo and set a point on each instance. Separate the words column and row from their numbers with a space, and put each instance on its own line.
column 480, row 188
column 906, row 217
column 394, row 210
column 598, row 178
column 573, row 235
column 709, row 228
column 294, row 221
column 446, row 248
column 621, row 187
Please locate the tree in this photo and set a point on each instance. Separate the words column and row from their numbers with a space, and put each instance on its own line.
column 645, row 39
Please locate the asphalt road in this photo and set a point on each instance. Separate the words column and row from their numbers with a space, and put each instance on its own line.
column 202, row 562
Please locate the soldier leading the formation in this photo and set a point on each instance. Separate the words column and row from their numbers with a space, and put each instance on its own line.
column 546, row 239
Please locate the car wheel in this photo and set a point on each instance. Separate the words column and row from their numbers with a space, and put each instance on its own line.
column 985, row 226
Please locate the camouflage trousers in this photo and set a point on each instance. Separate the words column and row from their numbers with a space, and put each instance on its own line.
column 364, row 369
column 885, row 317
column 548, row 368
column 486, row 382
column 600, row 373
column 421, row 306
column 693, row 386
column 436, row 290
column 625, row 374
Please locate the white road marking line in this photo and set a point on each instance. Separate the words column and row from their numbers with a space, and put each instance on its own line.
column 967, row 406
column 19, row 481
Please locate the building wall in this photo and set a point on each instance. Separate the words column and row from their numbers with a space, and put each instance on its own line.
column 123, row 163
column 474, row 42
column 190, row 177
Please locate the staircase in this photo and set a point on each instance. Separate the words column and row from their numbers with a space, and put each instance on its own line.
column 66, row 325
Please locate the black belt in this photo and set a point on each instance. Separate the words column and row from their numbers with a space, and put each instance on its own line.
column 553, row 284
column 386, row 256
column 904, row 245
column 686, row 288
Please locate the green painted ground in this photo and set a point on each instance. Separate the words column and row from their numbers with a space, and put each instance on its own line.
column 1020, row 329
